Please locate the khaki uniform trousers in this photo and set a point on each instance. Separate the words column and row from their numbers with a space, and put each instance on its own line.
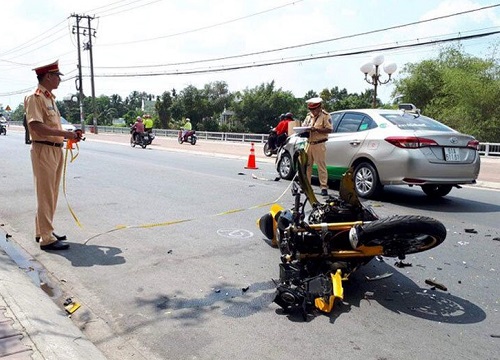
column 317, row 154
column 47, row 163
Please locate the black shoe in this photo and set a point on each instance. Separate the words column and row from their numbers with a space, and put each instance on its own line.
column 55, row 246
column 59, row 238
column 324, row 192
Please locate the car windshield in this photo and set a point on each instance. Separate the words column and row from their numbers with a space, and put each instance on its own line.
column 407, row 121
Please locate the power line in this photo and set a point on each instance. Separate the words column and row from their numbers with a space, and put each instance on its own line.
column 302, row 45
column 303, row 59
column 205, row 27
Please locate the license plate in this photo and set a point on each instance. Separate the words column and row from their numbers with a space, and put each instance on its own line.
column 451, row 154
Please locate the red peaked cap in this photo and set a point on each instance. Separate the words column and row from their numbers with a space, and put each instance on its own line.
column 50, row 68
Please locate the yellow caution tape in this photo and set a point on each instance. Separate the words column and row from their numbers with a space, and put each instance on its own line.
column 168, row 223
column 69, row 149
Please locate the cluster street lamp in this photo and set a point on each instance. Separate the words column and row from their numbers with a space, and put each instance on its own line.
column 372, row 74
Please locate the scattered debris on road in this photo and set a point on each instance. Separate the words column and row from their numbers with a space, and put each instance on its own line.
column 436, row 285
column 378, row 277
column 401, row 264
column 470, row 231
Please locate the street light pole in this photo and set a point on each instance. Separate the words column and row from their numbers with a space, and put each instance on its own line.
column 372, row 74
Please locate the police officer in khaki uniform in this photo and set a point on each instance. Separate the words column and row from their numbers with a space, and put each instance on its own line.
column 47, row 136
column 321, row 125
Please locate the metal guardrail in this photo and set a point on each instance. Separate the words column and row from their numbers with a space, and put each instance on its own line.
column 206, row 135
column 489, row 149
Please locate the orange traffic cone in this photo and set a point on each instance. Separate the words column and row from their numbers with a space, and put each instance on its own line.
column 251, row 159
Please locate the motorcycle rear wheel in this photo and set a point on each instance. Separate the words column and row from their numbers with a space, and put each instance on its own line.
column 403, row 235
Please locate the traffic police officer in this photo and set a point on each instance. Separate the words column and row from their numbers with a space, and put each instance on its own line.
column 47, row 136
column 320, row 123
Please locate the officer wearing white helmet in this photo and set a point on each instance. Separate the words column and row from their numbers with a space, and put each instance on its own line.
column 320, row 123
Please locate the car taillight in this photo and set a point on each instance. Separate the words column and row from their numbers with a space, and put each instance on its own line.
column 410, row 142
column 473, row 144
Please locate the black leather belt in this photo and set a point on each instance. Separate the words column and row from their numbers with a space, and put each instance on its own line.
column 318, row 142
column 48, row 143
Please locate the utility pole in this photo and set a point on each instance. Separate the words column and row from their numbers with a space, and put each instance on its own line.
column 79, row 87
column 88, row 46
column 78, row 82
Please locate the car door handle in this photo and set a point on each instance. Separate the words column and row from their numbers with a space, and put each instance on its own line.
column 355, row 142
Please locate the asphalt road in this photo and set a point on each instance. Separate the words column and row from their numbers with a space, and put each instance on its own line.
column 166, row 290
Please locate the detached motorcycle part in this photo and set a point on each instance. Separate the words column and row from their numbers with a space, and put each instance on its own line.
column 268, row 223
column 338, row 293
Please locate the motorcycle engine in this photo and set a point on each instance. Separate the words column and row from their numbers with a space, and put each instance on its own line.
column 297, row 292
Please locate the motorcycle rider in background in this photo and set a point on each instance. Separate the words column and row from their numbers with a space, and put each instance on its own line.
column 186, row 128
column 281, row 131
column 148, row 123
column 148, row 126
column 137, row 129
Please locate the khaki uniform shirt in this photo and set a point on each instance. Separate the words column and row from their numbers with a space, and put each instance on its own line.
column 322, row 121
column 41, row 107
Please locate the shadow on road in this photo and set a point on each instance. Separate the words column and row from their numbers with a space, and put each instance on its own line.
column 92, row 255
column 399, row 294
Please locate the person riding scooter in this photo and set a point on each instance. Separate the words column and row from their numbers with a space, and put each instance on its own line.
column 186, row 129
column 137, row 129
column 281, row 131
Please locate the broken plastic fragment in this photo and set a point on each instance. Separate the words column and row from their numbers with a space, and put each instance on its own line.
column 436, row 284
column 378, row 277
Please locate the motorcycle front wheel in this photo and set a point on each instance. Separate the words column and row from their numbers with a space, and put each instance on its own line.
column 132, row 142
column 193, row 140
column 267, row 150
column 403, row 235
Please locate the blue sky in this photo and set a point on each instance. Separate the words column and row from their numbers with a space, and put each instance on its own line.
column 133, row 35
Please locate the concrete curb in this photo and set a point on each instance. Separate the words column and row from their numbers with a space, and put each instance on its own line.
column 43, row 330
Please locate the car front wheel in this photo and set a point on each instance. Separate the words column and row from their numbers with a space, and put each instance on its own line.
column 436, row 191
column 285, row 167
column 366, row 180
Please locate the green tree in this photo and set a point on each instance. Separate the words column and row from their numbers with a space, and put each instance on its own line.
column 162, row 106
column 458, row 89
column 258, row 109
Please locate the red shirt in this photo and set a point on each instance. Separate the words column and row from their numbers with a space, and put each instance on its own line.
column 282, row 127
column 138, row 127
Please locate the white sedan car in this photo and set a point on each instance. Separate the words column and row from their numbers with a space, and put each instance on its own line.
column 67, row 125
column 392, row 147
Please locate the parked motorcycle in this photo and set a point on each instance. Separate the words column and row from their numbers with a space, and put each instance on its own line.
column 3, row 129
column 338, row 237
column 189, row 136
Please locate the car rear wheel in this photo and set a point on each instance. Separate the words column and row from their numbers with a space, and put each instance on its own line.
column 436, row 191
column 366, row 181
column 285, row 167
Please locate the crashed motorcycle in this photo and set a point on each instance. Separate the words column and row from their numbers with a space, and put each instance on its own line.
column 189, row 136
column 338, row 236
